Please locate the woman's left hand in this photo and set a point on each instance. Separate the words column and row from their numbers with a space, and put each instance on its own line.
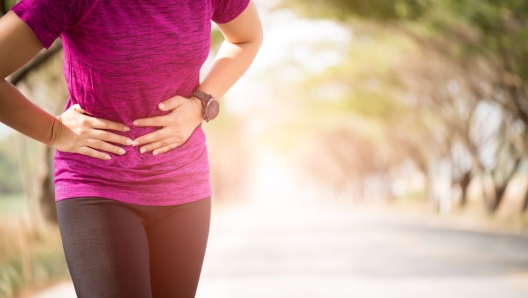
column 178, row 126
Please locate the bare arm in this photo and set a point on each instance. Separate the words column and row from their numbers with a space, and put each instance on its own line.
column 73, row 131
column 18, row 45
column 243, row 38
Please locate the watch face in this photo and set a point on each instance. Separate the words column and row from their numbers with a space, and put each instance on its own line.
column 212, row 109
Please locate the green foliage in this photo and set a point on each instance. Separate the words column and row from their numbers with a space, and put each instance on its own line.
column 499, row 30
column 488, row 15
column 493, row 29
column 9, row 175
column 47, row 267
column 466, row 51
column 10, row 3
column 10, row 178
column 380, row 10
column 45, row 254
column 217, row 38
column 13, row 205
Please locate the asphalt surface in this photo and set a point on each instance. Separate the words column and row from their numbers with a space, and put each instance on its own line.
column 263, row 250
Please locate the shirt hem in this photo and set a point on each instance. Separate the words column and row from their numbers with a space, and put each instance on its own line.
column 125, row 197
column 22, row 13
column 233, row 14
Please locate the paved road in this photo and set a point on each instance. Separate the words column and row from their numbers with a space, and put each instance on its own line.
column 258, row 251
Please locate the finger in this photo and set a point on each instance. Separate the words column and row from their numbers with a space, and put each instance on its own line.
column 166, row 149
column 171, row 103
column 154, row 136
column 106, row 124
column 93, row 153
column 153, row 121
column 110, row 137
column 98, row 144
column 78, row 108
column 158, row 144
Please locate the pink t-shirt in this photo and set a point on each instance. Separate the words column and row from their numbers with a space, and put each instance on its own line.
column 122, row 58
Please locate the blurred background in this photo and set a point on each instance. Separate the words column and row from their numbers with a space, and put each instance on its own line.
column 374, row 149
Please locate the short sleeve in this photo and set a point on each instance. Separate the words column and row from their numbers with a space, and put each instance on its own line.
column 50, row 18
column 227, row 10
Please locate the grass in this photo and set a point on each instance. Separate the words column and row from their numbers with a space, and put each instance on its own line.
column 40, row 248
column 13, row 205
column 48, row 266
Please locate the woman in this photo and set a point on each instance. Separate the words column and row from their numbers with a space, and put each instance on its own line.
column 131, row 170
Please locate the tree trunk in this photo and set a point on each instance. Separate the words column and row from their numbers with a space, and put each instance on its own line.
column 44, row 198
column 525, row 204
column 490, row 196
column 3, row 8
column 494, row 204
column 464, row 183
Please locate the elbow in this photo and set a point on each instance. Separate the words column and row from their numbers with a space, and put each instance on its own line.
column 254, row 42
column 259, row 40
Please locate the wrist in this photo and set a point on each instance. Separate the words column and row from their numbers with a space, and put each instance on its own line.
column 210, row 106
column 56, row 130
column 197, row 103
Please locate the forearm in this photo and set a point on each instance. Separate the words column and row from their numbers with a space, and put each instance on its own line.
column 229, row 65
column 19, row 113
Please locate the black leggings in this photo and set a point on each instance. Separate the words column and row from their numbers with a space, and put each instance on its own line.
column 115, row 249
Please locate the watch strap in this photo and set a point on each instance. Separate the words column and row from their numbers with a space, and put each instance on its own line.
column 204, row 98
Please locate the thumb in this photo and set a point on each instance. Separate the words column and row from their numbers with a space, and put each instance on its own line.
column 171, row 103
column 78, row 108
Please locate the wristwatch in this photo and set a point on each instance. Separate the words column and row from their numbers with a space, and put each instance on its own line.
column 210, row 106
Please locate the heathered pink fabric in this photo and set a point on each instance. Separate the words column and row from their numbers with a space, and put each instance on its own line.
column 122, row 58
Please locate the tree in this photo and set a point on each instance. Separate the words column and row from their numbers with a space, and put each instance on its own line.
column 485, row 45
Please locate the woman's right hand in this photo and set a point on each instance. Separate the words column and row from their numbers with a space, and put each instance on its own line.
column 79, row 133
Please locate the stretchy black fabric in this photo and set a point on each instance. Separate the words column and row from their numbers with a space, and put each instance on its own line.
column 119, row 250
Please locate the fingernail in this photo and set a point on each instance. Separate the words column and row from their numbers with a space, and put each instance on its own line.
column 143, row 150
column 135, row 123
column 135, row 143
column 107, row 157
column 161, row 105
column 129, row 142
column 154, row 153
column 122, row 151
column 126, row 128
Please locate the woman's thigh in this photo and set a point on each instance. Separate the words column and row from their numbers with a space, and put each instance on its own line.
column 106, row 248
column 177, row 247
